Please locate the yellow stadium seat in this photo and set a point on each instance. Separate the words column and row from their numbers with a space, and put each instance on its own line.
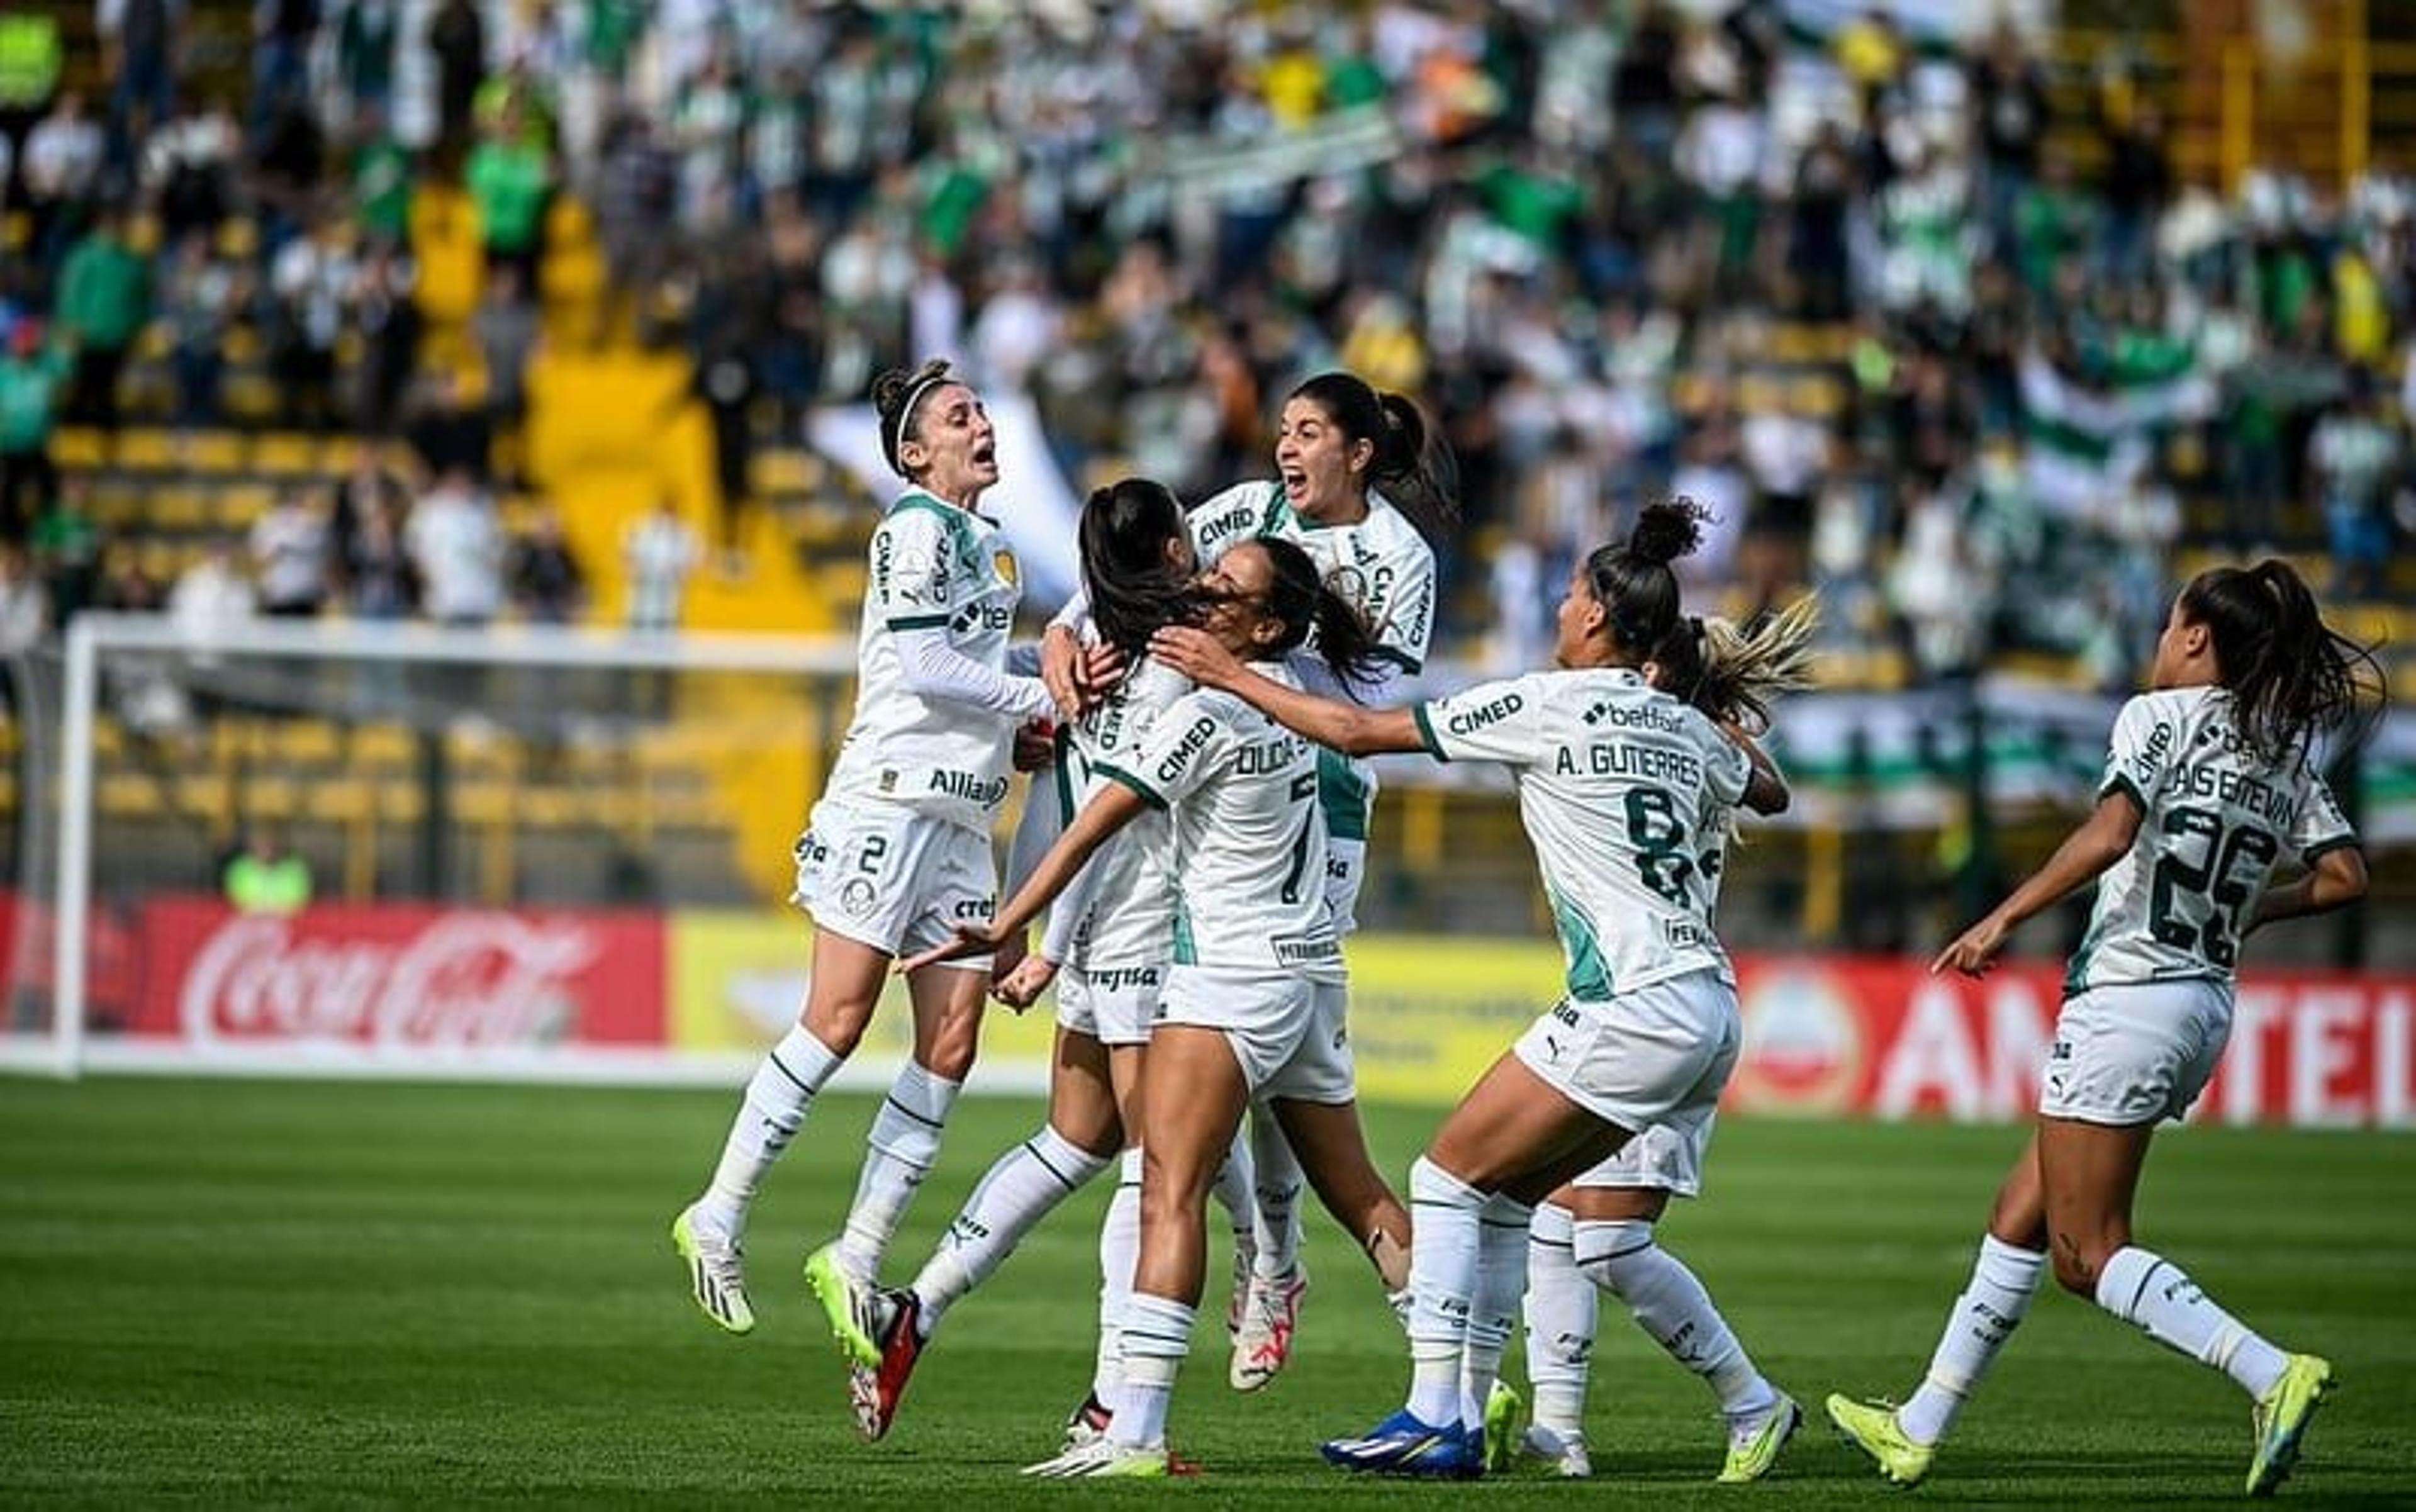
column 786, row 471
column 306, row 743
column 144, row 449
column 384, row 746
column 77, row 448
column 176, row 508
column 127, row 795
column 281, row 455
column 214, row 451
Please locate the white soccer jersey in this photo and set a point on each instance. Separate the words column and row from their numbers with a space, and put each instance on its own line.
column 1381, row 565
column 1615, row 780
column 1129, row 920
column 2213, row 820
column 1244, row 846
column 934, row 566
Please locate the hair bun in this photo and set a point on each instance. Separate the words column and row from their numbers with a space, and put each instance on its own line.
column 1666, row 530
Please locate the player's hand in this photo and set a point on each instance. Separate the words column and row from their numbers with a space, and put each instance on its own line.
column 1035, row 745
column 1008, row 955
column 1021, row 987
column 971, row 940
column 1974, row 951
column 1197, row 654
column 1061, row 663
column 1103, row 667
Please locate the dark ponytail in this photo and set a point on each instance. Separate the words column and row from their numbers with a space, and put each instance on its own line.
column 896, row 394
column 1413, row 465
column 1632, row 579
column 2290, row 675
column 1300, row 601
column 1134, row 591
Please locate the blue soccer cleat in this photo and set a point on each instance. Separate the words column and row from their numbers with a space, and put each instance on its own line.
column 1402, row 1445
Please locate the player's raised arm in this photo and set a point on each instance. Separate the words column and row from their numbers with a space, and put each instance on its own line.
column 1109, row 809
column 1329, row 722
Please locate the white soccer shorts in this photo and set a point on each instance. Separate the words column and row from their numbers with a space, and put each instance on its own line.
column 1277, row 1027
column 893, row 879
column 1659, row 1054
column 2135, row 1053
column 1114, row 1005
column 1666, row 1157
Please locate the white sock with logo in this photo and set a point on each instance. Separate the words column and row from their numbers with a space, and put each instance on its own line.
column 2141, row 1287
column 1560, row 1313
column 1235, row 1191
column 1444, row 1229
column 1493, row 1307
column 1024, row 1185
column 1156, row 1337
column 2003, row 1280
column 769, row 1115
column 1671, row 1305
column 1119, row 1253
column 1277, row 1190
column 905, row 1141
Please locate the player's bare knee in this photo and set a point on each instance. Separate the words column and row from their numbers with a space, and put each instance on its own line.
column 839, row 1025
column 2079, row 1259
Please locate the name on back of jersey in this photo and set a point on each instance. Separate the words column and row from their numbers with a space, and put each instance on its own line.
column 1621, row 758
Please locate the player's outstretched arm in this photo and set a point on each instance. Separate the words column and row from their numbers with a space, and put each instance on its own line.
column 1109, row 809
column 2100, row 840
column 2336, row 880
column 1331, row 722
column 1766, row 792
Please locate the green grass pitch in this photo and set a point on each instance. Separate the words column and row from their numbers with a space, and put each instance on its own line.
column 239, row 1292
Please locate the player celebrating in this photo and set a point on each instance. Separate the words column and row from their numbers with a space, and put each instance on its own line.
column 1598, row 1230
column 1113, row 931
column 1238, row 1019
column 1365, row 488
column 1612, row 781
column 2210, row 780
column 896, row 851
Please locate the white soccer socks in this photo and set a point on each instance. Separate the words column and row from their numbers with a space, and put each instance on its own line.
column 769, row 1115
column 1444, row 1228
column 1561, row 1315
column 2003, row 1280
column 1023, row 1187
column 905, row 1143
column 2141, row 1287
column 1671, row 1305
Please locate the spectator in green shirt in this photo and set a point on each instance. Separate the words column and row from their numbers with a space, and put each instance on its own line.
column 509, row 181
column 104, row 300
column 263, row 877
column 30, row 375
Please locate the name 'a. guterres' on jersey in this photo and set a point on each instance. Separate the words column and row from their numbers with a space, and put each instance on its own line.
column 1619, row 786
column 2215, row 819
column 1246, row 839
column 933, row 567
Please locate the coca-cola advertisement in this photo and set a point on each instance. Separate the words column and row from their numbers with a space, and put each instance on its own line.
column 401, row 977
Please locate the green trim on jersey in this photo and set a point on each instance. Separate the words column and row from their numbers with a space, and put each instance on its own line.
column 917, row 622
column 2076, row 975
column 1589, row 974
column 1061, row 768
column 1186, row 953
column 961, row 535
column 1343, row 795
column 2323, row 848
column 1278, row 510
column 1426, row 731
column 1148, row 795
column 2120, row 783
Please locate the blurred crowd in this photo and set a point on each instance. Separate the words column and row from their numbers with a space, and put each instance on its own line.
column 1922, row 333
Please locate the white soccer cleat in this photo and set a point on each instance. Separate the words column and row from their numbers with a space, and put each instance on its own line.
column 1270, row 1315
column 1563, row 1453
column 1245, row 1256
column 1104, row 1459
column 714, row 1277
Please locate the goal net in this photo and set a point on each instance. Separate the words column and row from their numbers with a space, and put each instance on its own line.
column 341, row 849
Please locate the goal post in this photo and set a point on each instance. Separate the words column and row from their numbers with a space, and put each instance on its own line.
column 535, row 853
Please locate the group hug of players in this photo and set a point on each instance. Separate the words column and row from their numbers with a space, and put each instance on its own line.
column 1197, row 723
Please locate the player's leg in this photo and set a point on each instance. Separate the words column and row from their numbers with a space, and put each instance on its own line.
column 1021, row 1188
column 710, row 1234
column 1119, row 1250
column 2004, row 1278
column 901, row 1150
column 1561, row 1316
column 2091, row 1174
column 1616, row 1245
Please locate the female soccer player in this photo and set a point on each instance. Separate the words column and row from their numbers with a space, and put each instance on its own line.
column 1612, row 781
column 897, row 851
column 1237, row 1021
column 1598, row 1230
column 1365, row 487
column 1112, row 933
column 2211, row 778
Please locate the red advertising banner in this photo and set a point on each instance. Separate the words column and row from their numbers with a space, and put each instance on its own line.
column 401, row 977
column 1883, row 1037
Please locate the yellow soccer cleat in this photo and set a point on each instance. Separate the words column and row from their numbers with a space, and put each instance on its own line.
column 1505, row 1424
column 1754, row 1445
column 2281, row 1417
column 713, row 1277
column 1871, row 1427
column 852, row 1307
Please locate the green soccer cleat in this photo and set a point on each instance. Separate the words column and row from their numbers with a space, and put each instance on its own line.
column 1105, row 1459
column 713, row 1277
column 1753, row 1444
column 852, row 1307
column 1506, row 1421
column 2281, row 1417
column 1871, row 1427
